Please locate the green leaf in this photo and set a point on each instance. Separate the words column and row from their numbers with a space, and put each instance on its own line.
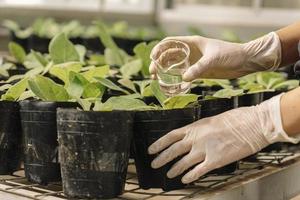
column 248, row 79
column 123, row 103
column 17, row 51
column 111, row 58
column 160, row 96
column 62, row 50
column 14, row 92
column 5, row 67
column 289, row 84
column 39, row 57
column 76, row 85
column 224, row 83
column 108, row 42
column 47, row 90
column 128, row 84
column 180, row 101
column 85, row 104
column 47, row 68
column 15, row 77
column 265, row 78
column 26, row 95
column 5, row 87
column 131, row 68
column 96, row 59
column 93, row 90
column 33, row 60
column 61, row 71
column 109, row 84
column 228, row 93
column 142, row 51
column 145, row 88
column 81, row 50
column 96, row 72
column 11, row 25
column 34, row 71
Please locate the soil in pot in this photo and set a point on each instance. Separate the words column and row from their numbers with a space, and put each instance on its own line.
column 10, row 137
column 148, row 127
column 38, row 120
column 94, row 152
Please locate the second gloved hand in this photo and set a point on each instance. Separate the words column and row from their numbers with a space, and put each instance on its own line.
column 210, row 58
column 213, row 142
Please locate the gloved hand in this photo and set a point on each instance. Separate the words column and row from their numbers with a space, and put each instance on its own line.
column 213, row 142
column 210, row 58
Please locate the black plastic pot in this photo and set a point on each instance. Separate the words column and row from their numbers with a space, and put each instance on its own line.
column 39, row 44
column 94, row 45
column 269, row 95
column 10, row 137
column 24, row 42
column 40, row 140
column 250, row 99
column 94, row 151
column 216, row 106
column 148, row 127
column 205, row 90
column 128, row 44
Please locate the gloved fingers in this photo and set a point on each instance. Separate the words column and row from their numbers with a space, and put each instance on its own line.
column 197, row 172
column 196, row 71
column 167, row 140
column 171, row 153
column 185, row 163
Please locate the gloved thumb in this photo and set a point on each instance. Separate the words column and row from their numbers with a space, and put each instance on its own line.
column 196, row 70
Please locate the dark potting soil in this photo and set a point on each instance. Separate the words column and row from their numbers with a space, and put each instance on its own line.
column 40, row 140
column 94, row 151
column 10, row 137
column 149, row 126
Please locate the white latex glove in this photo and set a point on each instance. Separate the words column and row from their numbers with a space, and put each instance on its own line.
column 210, row 58
column 214, row 142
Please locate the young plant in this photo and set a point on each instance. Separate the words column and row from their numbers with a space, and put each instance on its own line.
column 266, row 82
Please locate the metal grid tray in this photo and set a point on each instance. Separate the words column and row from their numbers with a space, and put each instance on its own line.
column 17, row 185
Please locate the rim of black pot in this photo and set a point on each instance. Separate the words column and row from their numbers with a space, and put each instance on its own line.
column 169, row 110
column 6, row 102
column 91, row 111
column 38, row 101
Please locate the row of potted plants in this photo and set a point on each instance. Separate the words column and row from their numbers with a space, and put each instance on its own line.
column 97, row 111
column 38, row 35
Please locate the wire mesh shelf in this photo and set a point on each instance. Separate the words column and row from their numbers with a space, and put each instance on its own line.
column 17, row 184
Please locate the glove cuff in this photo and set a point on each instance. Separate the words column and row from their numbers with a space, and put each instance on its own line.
column 276, row 134
column 263, row 53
